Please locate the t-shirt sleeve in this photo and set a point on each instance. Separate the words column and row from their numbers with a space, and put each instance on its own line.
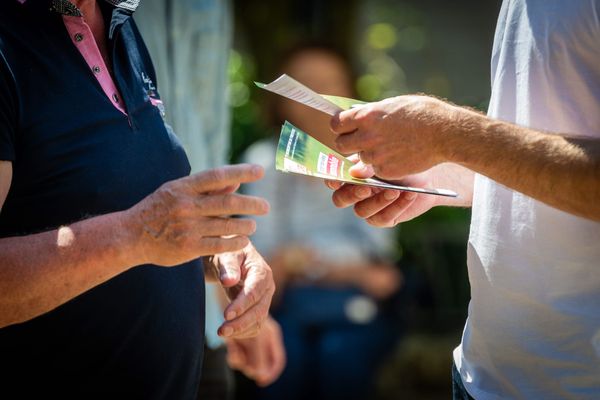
column 8, row 114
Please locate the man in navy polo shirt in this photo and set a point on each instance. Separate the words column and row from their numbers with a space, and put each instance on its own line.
column 96, row 201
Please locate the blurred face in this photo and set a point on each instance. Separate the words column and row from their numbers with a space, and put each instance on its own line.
column 324, row 73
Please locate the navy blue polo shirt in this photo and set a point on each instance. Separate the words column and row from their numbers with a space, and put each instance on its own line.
column 74, row 155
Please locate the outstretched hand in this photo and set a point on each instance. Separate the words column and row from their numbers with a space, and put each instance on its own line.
column 383, row 207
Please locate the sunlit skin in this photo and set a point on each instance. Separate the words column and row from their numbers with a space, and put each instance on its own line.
column 182, row 220
column 423, row 140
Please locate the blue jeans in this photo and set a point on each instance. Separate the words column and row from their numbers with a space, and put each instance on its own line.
column 458, row 388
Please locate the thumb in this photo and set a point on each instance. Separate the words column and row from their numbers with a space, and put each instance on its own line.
column 362, row 170
column 230, row 268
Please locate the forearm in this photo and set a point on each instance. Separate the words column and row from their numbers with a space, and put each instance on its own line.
column 560, row 171
column 457, row 178
column 40, row 272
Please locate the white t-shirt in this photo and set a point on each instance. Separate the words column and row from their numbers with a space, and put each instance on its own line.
column 533, row 330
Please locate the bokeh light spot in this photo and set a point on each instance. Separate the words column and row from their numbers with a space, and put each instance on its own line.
column 381, row 36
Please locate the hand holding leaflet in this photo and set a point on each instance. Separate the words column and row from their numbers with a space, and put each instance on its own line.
column 300, row 153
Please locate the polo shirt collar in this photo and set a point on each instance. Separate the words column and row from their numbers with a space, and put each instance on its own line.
column 65, row 7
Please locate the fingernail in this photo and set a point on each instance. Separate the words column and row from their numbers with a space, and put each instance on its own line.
column 391, row 195
column 230, row 315
column 411, row 196
column 227, row 331
column 362, row 192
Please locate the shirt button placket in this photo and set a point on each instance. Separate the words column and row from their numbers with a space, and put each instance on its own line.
column 96, row 69
column 78, row 37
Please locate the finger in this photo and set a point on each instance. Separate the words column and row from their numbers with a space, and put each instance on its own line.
column 217, row 226
column 257, row 286
column 230, row 268
column 352, row 142
column 349, row 195
column 375, row 204
column 344, row 121
column 333, row 185
column 362, row 171
column 248, row 324
column 223, row 177
column 388, row 217
column 215, row 245
column 230, row 204
column 354, row 158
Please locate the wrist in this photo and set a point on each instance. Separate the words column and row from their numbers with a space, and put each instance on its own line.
column 128, row 239
column 461, row 134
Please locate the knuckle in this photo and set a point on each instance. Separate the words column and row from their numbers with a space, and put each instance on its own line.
column 228, row 202
column 214, row 175
column 220, row 246
column 371, row 115
column 364, row 114
column 229, row 226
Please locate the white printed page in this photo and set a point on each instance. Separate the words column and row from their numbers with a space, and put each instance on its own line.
column 287, row 86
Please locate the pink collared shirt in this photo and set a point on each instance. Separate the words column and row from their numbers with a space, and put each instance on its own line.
column 84, row 41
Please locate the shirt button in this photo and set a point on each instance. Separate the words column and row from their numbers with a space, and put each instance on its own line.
column 115, row 98
column 96, row 69
column 78, row 37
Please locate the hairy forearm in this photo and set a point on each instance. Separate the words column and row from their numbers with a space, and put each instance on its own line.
column 42, row 271
column 561, row 171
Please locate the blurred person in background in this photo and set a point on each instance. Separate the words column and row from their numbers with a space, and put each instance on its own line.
column 531, row 172
column 334, row 272
column 190, row 41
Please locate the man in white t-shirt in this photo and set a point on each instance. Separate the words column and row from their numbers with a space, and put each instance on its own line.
column 531, row 171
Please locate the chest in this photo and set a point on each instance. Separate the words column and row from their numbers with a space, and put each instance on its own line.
column 76, row 154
